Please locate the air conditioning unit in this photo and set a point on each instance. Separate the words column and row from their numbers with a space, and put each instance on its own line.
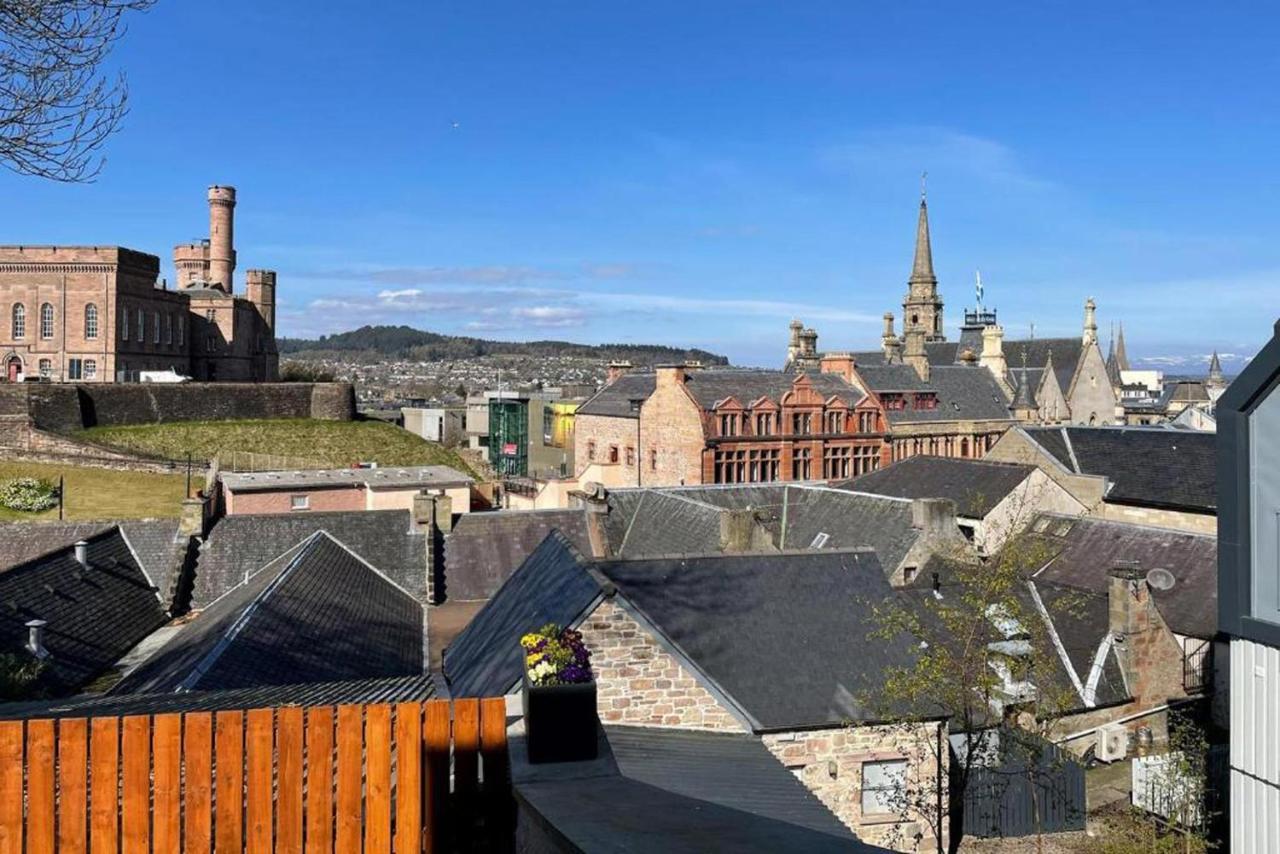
column 1113, row 742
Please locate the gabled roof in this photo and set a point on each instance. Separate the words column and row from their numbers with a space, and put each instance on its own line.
column 965, row 392
column 1066, row 353
column 709, row 387
column 649, row 522
column 975, row 486
column 155, row 542
column 1086, row 550
column 551, row 586
column 680, row 791
column 1146, row 466
column 483, row 549
column 240, row 545
column 395, row 689
column 316, row 614
column 784, row 636
column 93, row 616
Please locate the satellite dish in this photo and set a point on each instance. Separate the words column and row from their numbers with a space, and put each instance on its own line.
column 1161, row 579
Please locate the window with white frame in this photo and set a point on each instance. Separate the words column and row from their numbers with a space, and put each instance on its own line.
column 46, row 368
column 46, row 321
column 90, row 321
column 883, row 786
column 299, row 502
column 90, row 369
column 19, row 321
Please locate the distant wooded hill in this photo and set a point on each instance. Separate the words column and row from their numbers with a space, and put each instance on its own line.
column 408, row 343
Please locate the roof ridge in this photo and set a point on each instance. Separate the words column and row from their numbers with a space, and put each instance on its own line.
column 340, row 544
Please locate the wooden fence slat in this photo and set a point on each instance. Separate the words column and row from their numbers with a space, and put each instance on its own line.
column 466, row 745
column 499, row 808
column 11, row 743
column 408, row 778
column 166, row 806
column 259, row 747
column 350, row 777
column 40, row 776
column 73, row 784
column 377, row 805
column 436, row 739
column 319, row 780
column 104, row 795
column 135, row 809
column 289, row 777
column 197, row 759
column 228, row 828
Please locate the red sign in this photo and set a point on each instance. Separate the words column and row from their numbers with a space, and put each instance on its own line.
column 509, row 449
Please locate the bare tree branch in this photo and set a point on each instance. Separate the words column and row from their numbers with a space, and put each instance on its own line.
column 57, row 107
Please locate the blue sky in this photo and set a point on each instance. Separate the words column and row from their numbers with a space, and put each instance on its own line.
column 698, row 173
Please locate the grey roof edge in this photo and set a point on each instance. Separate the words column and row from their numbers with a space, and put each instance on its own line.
column 97, row 535
column 1044, row 452
column 340, row 544
column 1099, row 520
column 143, row 567
column 793, row 552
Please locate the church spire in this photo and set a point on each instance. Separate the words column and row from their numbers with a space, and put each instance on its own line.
column 922, row 265
column 1122, row 358
column 1216, row 378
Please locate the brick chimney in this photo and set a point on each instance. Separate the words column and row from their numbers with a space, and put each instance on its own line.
column 737, row 527
column 433, row 519
column 671, row 375
column 616, row 369
column 1147, row 651
column 993, row 351
column 935, row 517
column 841, row 364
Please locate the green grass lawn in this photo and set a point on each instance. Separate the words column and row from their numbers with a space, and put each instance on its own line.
column 92, row 493
column 321, row 443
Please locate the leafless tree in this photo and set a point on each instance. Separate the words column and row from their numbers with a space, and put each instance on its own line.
column 57, row 104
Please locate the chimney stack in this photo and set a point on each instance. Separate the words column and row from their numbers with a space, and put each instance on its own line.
column 82, row 554
column 616, row 369
column 736, row 529
column 915, row 354
column 936, row 517
column 35, row 639
column 993, row 351
column 670, row 375
column 840, row 364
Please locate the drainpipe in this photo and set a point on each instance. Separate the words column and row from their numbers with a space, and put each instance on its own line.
column 638, row 450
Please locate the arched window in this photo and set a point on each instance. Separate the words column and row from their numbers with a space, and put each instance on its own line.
column 46, row 321
column 90, row 321
column 19, row 320
column 124, row 323
column 155, row 332
column 182, row 330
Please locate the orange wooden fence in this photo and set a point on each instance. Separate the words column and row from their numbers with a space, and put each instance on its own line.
column 373, row 778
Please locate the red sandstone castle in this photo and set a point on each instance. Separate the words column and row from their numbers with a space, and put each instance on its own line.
column 104, row 314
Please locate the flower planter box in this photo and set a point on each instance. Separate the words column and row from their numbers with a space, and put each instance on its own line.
column 560, row 721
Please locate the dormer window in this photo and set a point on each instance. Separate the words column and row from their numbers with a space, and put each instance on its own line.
column 801, row 423
column 729, row 425
column 764, row 424
column 925, row 401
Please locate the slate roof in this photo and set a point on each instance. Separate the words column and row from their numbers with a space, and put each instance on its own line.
column 709, row 387
column 1086, row 550
column 154, row 541
column 383, row 477
column 483, row 549
column 552, row 586
column 316, row 614
column 965, row 392
column 1031, row 377
column 1146, row 466
column 396, row 689
column 243, row 544
column 777, row 633
column 975, row 486
column 1066, row 353
column 672, row 521
column 93, row 616
column 1184, row 391
column 680, row 791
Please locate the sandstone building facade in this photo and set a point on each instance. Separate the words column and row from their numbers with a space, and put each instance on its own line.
column 94, row 314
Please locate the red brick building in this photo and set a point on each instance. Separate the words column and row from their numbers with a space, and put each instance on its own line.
column 684, row 425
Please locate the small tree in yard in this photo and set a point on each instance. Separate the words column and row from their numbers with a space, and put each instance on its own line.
column 983, row 655
column 19, row 676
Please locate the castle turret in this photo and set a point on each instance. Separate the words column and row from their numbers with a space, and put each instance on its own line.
column 1090, row 335
column 793, row 342
column 222, row 253
column 192, row 263
column 260, row 288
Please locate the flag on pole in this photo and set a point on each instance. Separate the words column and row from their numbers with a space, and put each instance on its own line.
column 978, row 286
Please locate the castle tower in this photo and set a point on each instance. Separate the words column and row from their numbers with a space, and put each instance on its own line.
column 260, row 287
column 192, row 263
column 1090, row 335
column 793, row 343
column 922, row 308
column 222, row 253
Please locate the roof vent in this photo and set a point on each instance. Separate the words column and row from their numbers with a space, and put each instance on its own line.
column 35, row 638
column 82, row 553
column 1161, row 579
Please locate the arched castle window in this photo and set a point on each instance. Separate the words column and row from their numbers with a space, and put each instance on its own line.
column 19, row 320
column 46, row 321
column 90, row 321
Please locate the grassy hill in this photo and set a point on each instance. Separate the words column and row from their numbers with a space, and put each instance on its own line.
column 320, row 443
column 409, row 343
column 93, row 493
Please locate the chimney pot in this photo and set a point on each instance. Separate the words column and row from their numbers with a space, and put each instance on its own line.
column 35, row 638
column 82, row 553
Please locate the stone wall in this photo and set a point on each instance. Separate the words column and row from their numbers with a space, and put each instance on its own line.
column 671, row 434
column 829, row 763
column 1196, row 523
column 596, row 434
column 62, row 408
column 638, row 682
